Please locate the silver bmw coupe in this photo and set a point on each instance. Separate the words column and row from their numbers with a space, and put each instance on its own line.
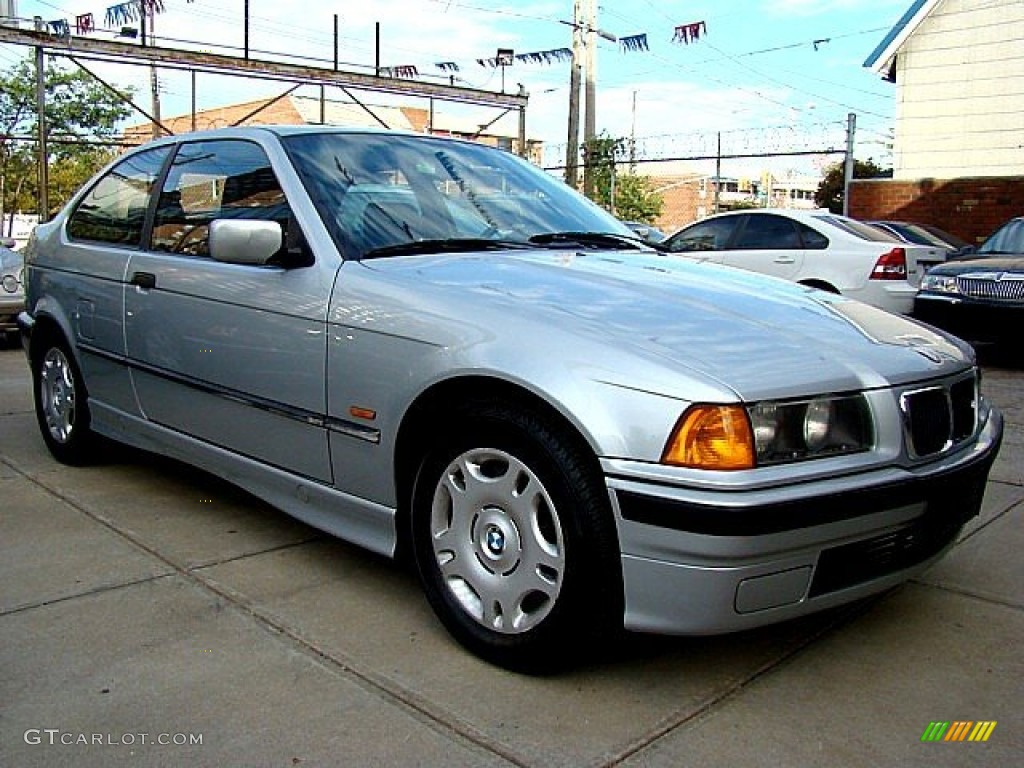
column 433, row 349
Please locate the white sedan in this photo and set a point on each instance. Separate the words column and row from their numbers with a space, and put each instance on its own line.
column 816, row 248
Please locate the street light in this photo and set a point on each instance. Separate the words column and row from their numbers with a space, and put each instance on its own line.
column 504, row 59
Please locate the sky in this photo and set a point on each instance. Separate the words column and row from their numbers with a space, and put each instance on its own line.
column 765, row 74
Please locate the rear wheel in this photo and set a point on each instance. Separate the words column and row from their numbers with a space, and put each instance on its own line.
column 62, row 408
column 821, row 285
column 514, row 540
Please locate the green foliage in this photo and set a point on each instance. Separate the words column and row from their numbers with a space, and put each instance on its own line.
column 830, row 191
column 76, row 107
column 635, row 198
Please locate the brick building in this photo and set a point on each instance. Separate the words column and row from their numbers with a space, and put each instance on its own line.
column 691, row 197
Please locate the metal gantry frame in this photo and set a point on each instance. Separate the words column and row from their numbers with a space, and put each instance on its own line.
column 78, row 49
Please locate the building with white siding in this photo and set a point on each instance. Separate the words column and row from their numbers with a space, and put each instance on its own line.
column 958, row 69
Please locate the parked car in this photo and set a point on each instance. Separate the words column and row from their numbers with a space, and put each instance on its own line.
column 12, row 291
column 568, row 432
column 814, row 248
column 648, row 232
column 980, row 298
column 926, row 234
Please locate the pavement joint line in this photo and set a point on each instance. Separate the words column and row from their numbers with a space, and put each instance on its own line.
column 382, row 685
column 255, row 553
column 941, row 587
column 845, row 615
column 85, row 593
column 387, row 689
column 988, row 523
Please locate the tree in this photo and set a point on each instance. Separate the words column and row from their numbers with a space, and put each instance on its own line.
column 635, row 198
column 830, row 191
column 79, row 112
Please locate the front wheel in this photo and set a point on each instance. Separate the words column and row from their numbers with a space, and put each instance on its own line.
column 62, row 408
column 514, row 540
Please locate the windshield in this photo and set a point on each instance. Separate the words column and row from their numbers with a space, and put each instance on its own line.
column 1008, row 239
column 376, row 191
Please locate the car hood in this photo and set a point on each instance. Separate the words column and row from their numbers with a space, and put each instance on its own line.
column 1007, row 263
column 10, row 261
column 757, row 336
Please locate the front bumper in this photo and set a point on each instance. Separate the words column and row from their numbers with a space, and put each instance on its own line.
column 10, row 306
column 736, row 560
column 970, row 318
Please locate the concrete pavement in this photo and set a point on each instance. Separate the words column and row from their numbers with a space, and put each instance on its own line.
column 142, row 602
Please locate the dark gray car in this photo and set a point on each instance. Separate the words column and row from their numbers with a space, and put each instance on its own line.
column 430, row 347
column 980, row 298
column 12, row 289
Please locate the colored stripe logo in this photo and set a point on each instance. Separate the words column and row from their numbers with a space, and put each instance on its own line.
column 959, row 730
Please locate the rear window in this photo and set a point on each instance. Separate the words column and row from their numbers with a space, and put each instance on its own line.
column 856, row 228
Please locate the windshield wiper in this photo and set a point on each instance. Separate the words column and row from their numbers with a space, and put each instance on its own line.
column 590, row 239
column 444, row 245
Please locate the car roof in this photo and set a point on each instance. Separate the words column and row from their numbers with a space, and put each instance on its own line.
column 262, row 131
column 795, row 212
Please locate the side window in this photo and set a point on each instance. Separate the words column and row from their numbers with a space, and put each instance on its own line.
column 710, row 235
column 229, row 179
column 114, row 210
column 813, row 239
column 768, row 232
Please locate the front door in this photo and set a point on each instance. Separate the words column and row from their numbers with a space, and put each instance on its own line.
column 768, row 244
column 231, row 354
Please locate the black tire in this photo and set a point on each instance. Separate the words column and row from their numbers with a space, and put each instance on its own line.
column 514, row 540
column 62, row 402
column 821, row 285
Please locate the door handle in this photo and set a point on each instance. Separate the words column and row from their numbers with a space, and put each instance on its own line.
column 143, row 279
column 785, row 260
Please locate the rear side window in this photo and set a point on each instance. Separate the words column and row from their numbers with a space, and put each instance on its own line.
column 768, row 232
column 813, row 239
column 114, row 210
column 228, row 179
column 709, row 235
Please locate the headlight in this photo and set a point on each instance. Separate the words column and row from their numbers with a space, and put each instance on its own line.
column 728, row 437
column 939, row 283
column 810, row 429
column 10, row 283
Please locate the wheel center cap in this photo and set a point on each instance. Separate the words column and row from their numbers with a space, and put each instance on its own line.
column 495, row 540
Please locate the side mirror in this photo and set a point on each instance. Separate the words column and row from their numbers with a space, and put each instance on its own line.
column 245, row 241
column 7, row 242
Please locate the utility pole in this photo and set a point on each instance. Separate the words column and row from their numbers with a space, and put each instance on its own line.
column 154, row 82
column 572, row 152
column 590, row 114
column 43, row 158
column 584, row 58
column 632, row 138
column 851, row 128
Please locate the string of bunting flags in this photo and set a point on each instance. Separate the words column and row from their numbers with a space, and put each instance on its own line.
column 133, row 10
column 687, row 33
column 115, row 16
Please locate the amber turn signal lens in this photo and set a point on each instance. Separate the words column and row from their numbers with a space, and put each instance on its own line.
column 712, row 437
